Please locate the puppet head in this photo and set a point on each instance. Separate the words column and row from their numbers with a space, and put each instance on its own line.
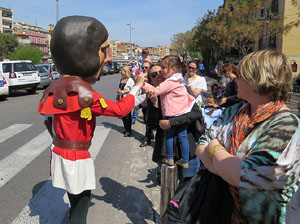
column 79, row 45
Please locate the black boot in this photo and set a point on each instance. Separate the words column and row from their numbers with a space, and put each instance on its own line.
column 145, row 142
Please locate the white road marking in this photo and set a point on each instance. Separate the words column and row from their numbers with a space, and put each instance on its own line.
column 50, row 205
column 100, row 135
column 19, row 159
column 12, row 130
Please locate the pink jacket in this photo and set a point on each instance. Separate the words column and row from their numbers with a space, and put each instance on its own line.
column 175, row 100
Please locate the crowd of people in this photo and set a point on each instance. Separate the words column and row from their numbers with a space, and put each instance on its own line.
column 241, row 130
column 250, row 137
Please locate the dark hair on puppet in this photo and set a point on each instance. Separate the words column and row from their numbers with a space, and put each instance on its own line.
column 75, row 44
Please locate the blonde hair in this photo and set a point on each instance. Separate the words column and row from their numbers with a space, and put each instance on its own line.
column 269, row 71
column 127, row 70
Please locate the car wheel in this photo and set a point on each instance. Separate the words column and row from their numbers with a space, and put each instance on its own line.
column 3, row 97
column 32, row 90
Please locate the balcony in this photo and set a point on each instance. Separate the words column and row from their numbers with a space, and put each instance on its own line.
column 24, row 42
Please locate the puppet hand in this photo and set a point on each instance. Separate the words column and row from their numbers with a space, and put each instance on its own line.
column 86, row 113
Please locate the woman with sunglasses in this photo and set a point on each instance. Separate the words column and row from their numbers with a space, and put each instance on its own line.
column 194, row 83
column 156, row 121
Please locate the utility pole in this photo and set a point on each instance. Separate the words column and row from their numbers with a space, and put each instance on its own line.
column 57, row 11
column 130, row 28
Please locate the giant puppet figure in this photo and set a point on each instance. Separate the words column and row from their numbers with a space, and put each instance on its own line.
column 79, row 49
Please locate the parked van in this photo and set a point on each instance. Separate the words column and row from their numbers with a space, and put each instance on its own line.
column 20, row 75
column 54, row 74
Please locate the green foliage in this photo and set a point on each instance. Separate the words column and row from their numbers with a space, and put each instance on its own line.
column 27, row 53
column 179, row 43
column 203, row 41
column 8, row 43
column 238, row 25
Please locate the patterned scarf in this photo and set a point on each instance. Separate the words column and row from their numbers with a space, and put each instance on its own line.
column 243, row 124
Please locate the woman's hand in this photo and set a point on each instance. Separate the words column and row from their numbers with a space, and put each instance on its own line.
column 164, row 124
column 223, row 100
column 119, row 91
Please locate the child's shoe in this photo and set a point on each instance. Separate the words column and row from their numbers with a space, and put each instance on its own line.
column 167, row 161
column 182, row 164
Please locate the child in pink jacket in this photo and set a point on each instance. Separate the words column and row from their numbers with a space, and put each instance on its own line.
column 175, row 101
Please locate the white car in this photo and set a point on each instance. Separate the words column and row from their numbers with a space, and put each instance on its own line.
column 3, row 88
column 20, row 75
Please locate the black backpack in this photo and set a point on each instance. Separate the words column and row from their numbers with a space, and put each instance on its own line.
column 204, row 199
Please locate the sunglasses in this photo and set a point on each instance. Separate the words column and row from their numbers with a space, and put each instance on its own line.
column 145, row 67
column 154, row 74
column 192, row 68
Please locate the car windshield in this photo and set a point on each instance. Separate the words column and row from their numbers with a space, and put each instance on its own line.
column 42, row 69
column 21, row 67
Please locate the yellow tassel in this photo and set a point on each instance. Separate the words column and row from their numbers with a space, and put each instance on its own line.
column 103, row 103
column 86, row 113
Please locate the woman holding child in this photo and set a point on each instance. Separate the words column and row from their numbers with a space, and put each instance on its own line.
column 255, row 145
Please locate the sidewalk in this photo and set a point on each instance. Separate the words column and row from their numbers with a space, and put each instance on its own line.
column 128, row 192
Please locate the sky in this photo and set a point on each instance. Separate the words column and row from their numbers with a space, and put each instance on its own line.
column 153, row 22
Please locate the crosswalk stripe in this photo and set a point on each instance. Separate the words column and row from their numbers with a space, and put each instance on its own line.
column 19, row 159
column 50, row 204
column 12, row 130
column 100, row 135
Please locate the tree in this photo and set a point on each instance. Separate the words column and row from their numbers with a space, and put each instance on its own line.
column 180, row 43
column 239, row 24
column 203, row 42
column 27, row 53
column 8, row 43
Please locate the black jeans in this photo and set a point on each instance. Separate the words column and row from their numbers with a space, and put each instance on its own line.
column 148, row 129
column 127, row 120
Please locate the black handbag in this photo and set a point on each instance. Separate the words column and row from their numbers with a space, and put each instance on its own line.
column 204, row 199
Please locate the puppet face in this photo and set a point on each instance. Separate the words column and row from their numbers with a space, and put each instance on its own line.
column 105, row 55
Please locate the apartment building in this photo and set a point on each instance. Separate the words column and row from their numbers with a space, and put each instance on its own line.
column 6, row 20
column 32, row 35
column 286, row 43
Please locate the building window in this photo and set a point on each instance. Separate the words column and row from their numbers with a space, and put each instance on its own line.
column 6, row 14
column 272, row 41
column 260, row 43
column 6, row 23
column 35, row 40
column 7, row 31
column 294, row 67
column 274, row 6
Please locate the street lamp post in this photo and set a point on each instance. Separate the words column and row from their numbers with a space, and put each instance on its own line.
column 57, row 11
column 130, row 28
